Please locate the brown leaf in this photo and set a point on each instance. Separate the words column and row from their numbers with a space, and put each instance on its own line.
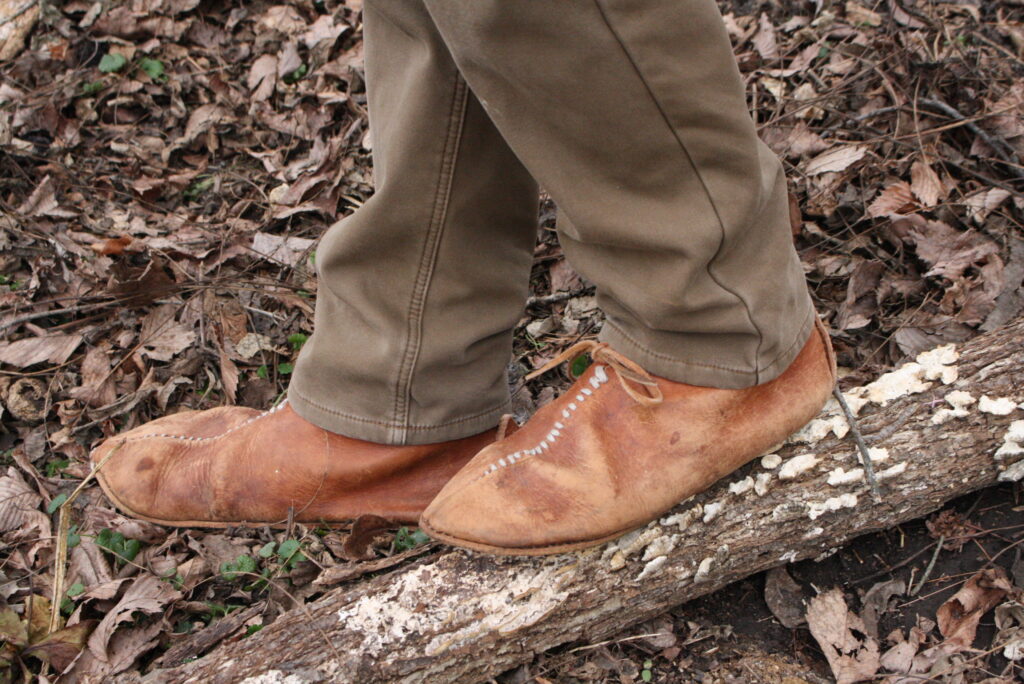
column 837, row 159
column 97, row 388
column 19, row 505
column 958, row 617
column 286, row 250
column 60, row 648
column 43, row 202
column 861, row 302
column 365, row 529
column 161, row 337
column 89, row 567
column 115, row 246
column 785, row 598
column 55, row 349
column 764, row 41
column 263, row 77
column 948, row 251
column 980, row 205
column 876, row 603
column 148, row 594
column 897, row 198
column 201, row 120
column 228, row 377
column 926, row 184
column 858, row 15
column 852, row 659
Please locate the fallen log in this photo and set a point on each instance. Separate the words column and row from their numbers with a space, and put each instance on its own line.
column 938, row 428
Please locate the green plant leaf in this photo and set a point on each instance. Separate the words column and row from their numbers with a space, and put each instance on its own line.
column 267, row 550
column 579, row 365
column 154, row 68
column 76, row 589
column 297, row 340
column 56, row 502
column 112, row 63
column 285, row 368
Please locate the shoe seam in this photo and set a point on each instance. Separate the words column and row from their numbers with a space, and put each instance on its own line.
column 187, row 438
column 596, row 381
column 609, row 536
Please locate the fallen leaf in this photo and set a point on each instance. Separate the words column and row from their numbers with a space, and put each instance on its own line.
column 19, row 505
column 852, row 659
column 161, row 337
column 97, row 388
column 981, row 204
column 876, row 603
column 896, row 198
column 263, row 77
column 958, row 617
column 62, row 647
column 764, row 41
column 43, row 202
column 55, row 349
column 926, row 184
column 858, row 15
column 148, row 594
column 281, row 248
column 785, row 598
column 835, row 160
column 948, row 251
column 365, row 529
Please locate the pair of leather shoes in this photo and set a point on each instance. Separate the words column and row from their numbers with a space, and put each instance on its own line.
column 618, row 449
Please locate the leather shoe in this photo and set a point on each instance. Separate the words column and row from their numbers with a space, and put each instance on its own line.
column 618, row 449
column 238, row 466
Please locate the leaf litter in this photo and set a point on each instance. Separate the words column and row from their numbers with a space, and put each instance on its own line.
column 170, row 164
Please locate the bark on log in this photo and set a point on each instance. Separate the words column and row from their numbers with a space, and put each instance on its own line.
column 461, row 617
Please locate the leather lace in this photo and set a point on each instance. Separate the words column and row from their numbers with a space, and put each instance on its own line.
column 635, row 381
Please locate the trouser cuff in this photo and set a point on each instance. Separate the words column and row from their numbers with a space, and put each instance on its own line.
column 714, row 369
column 334, row 418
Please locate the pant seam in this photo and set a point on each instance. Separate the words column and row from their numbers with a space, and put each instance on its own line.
column 721, row 225
column 428, row 258
column 403, row 426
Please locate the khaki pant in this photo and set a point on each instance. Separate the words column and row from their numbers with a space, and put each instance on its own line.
column 631, row 113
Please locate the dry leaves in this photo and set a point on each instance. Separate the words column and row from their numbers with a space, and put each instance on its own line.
column 851, row 652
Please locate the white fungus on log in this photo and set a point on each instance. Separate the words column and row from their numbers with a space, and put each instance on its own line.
column 797, row 465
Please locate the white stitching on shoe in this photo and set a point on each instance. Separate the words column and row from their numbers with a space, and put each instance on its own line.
column 599, row 378
column 186, row 438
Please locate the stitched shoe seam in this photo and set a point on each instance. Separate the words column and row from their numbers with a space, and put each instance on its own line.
column 599, row 378
column 187, row 438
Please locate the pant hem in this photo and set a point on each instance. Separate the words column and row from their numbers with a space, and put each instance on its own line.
column 335, row 419
column 715, row 372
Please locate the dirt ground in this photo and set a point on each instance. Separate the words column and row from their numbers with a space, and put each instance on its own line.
column 167, row 167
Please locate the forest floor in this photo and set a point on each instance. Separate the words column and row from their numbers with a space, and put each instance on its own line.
column 166, row 167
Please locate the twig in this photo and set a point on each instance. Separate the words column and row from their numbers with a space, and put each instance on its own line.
column 554, row 298
column 58, row 312
column 931, row 566
column 865, row 456
column 63, row 524
column 1000, row 147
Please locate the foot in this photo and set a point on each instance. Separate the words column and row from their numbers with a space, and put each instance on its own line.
column 617, row 450
column 237, row 466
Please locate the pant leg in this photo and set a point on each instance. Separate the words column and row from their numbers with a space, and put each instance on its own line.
column 631, row 113
column 420, row 288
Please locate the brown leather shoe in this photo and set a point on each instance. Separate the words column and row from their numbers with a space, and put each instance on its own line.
column 237, row 466
column 617, row 450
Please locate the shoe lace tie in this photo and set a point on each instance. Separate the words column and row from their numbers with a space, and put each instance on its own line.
column 635, row 381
